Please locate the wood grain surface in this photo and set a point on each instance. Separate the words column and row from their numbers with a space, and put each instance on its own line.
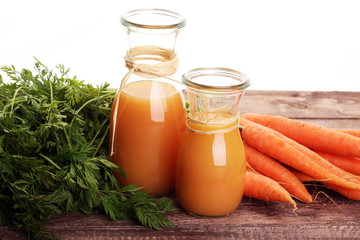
column 330, row 217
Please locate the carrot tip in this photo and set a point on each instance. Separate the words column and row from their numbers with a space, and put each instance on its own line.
column 294, row 210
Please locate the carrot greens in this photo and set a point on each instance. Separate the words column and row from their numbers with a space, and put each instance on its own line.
column 54, row 153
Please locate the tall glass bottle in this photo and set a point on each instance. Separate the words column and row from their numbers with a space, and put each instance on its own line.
column 211, row 165
column 148, row 114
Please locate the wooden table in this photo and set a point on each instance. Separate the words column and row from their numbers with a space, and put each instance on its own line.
column 330, row 217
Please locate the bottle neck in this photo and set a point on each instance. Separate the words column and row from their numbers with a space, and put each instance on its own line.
column 161, row 38
column 212, row 121
column 152, row 27
column 152, row 35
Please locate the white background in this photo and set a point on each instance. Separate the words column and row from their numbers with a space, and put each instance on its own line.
column 279, row 44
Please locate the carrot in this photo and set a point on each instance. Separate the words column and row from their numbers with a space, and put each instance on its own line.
column 353, row 132
column 263, row 188
column 268, row 142
column 310, row 135
column 349, row 164
column 273, row 169
column 349, row 193
column 303, row 177
column 331, row 168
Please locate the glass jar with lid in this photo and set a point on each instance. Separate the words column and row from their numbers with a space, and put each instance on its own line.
column 210, row 172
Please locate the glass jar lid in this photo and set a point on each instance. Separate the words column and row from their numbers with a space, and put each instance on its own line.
column 216, row 78
column 153, row 19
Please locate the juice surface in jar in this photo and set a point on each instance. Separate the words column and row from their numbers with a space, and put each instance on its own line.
column 150, row 122
column 210, row 171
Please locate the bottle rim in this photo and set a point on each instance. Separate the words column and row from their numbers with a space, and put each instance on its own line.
column 241, row 79
column 165, row 19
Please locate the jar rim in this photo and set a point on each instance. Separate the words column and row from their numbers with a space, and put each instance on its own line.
column 242, row 79
column 166, row 19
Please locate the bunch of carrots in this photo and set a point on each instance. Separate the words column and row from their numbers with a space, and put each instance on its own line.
column 282, row 153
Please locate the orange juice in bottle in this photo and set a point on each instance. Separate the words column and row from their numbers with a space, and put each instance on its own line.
column 211, row 163
column 148, row 114
column 148, row 130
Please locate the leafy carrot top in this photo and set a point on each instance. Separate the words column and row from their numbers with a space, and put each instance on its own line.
column 53, row 153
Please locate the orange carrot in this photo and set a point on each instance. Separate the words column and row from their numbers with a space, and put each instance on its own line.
column 268, row 142
column 263, row 188
column 310, row 135
column 349, row 193
column 271, row 168
column 303, row 177
column 353, row 132
column 331, row 168
column 349, row 164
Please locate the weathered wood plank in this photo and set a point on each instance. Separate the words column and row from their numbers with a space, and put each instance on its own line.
column 303, row 104
column 252, row 220
column 330, row 217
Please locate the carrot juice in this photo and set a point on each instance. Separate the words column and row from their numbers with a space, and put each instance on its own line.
column 211, row 166
column 147, row 128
